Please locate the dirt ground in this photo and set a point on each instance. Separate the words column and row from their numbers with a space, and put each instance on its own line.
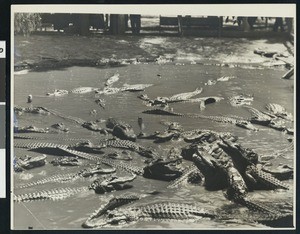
column 192, row 49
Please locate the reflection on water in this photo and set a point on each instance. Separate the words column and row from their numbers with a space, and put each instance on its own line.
column 264, row 84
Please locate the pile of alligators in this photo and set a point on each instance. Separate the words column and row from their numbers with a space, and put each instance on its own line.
column 215, row 160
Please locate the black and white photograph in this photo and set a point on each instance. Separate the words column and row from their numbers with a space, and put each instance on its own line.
column 153, row 117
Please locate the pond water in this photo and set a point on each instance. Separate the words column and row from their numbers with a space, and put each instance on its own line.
column 264, row 84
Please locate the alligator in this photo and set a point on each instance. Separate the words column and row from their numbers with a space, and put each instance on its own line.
column 61, row 127
column 135, row 87
column 30, row 137
column 87, row 147
column 129, row 145
column 53, row 194
column 268, row 120
column 38, row 146
column 65, row 161
column 124, row 155
column 279, row 111
column 32, row 129
column 243, row 123
column 160, row 169
column 245, row 161
column 226, row 78
column 203, row 100
column 82, row 90
column 185, row 96
column 65, row 117
column 162, row 112
column 58, row 93
column 30, row 162
column 200, row 135
column 240, row 100
column 282, row 172
column 144, row 97
column 159, row 210
column 63, row 178
column 209, row 139
column 121, row 165
column 121, row 211
column 172, row 132
column 157, row 168
column 225, row 174
column 120, row 129
column 226, row 119
column 94, row 127
column 112, row 79
column 113, row 183
column 237, row 192
column 108, row 90
column 191, row 175
column 110, row 205
column 268, row 53
column 33, row 110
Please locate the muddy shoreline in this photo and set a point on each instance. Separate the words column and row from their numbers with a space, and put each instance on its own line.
column 55, row 52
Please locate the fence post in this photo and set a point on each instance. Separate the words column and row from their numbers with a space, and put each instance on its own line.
column 179, row 17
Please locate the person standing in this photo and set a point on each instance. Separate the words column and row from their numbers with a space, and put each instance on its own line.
column 135, row 21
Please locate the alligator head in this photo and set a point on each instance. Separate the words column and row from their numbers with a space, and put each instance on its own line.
column 112, row 217
column 160, row 169
column 113, row 183
column 88, row 147
column 213, row 171
column 121, row 130
column 242, row 157
column 237, row 189
column 61, row 127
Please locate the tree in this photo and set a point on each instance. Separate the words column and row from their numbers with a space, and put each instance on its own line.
column 25, row 23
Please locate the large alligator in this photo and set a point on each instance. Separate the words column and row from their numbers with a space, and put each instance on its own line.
column 120, row 129
column 245, row 161
column 63, row 178
column 163, row 112
column 107, row 216
column 164, row 101
column 53, row 194
column 121, row 211
column 100, row 186
column 269, row 120
column 30, row 137
column 243, row 123
column 279, row 111
column 211, row 164
column 226, row 176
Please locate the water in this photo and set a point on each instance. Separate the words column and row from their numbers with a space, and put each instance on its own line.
column 263, row 83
